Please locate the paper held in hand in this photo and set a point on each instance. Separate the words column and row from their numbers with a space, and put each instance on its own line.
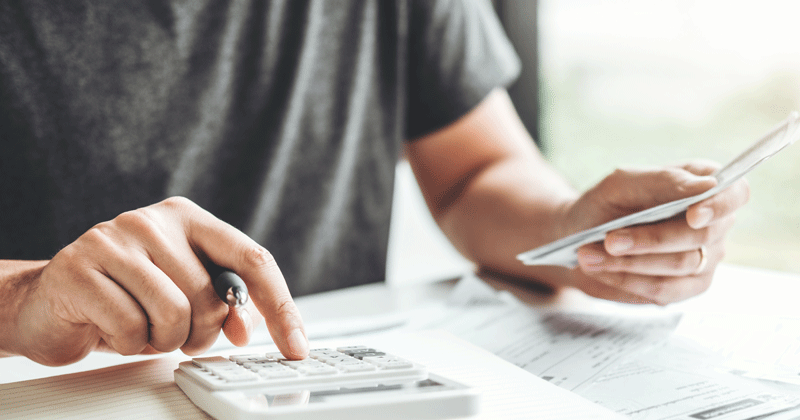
column 563, row 251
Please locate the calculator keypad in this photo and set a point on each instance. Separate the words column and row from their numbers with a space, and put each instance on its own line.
column 322, row 366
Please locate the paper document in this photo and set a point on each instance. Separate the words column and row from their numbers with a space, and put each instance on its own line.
column 665, row 384
column 563, row 251
column 763, row 347
column 627, row 363
column 566, row 349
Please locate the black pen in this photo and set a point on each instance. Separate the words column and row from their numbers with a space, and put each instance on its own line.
column 231, row 289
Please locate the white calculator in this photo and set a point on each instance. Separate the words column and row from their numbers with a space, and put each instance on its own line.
column 356, row 382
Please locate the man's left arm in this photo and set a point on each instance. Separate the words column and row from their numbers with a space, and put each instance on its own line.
column 494, row 196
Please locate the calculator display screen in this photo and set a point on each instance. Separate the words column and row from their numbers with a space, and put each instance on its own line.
column 341, row 393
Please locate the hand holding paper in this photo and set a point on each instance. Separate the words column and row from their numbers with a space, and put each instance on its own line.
column 657, row 253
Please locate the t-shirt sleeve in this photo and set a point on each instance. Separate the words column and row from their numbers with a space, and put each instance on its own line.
column 457, row 54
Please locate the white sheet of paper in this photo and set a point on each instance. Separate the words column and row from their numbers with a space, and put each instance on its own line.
column 567, row 349
column 563, row 251
column 665, row 385
column 765, row 347
column 622, row 362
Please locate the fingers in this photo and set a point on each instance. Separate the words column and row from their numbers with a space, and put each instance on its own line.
column 670, row 236
column 122, row 322
column 637, row 189
column 701, row 167
column 658, row 277
column 228, row 247
column 601, row 290
column 659, row 262
column 151, row 259
column 658, row 289
column 169, row 312
column 721, row 205
column 666, row 264
column 240, row 322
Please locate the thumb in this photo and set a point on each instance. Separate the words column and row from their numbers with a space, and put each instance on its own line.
column 239, row 324
column 627, row 190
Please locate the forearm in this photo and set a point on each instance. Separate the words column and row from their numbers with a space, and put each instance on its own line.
column 16, row 280
column 511, row 206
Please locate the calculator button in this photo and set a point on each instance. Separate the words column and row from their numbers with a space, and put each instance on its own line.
column 368, row 354
column 335, row 359
column 397, row 364
column 256, row 366
column 324, row 354
column 354, row 352
column 277, row 356
column 208, row 362
column 238, row 376
column 351, row 348
column 251, row 371
column 295, row 364
column 278, row 373
column 245, row 358
column 355, row 367
column 227, row 370
column 317, row 370
column 268, row 366
column 388, row 362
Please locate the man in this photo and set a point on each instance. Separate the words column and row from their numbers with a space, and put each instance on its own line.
column 131, row 131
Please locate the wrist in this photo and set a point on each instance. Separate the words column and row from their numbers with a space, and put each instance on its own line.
column 17, row 280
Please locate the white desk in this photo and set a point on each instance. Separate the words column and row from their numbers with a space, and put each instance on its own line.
column 736, row 289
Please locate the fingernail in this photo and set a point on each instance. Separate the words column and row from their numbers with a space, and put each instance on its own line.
column 247, row 320
column 619, row 242
column 704, row 216
column 298, row 344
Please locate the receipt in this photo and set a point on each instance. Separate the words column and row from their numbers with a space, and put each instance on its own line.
column 563, row 251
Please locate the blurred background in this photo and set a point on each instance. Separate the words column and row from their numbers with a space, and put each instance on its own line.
column 624, row 83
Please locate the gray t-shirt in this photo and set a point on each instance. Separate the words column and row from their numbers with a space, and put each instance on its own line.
column 284, row 118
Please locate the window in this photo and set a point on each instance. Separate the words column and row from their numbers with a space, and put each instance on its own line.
column 631, row 83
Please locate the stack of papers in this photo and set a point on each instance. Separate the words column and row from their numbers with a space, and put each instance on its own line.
column 630, row 363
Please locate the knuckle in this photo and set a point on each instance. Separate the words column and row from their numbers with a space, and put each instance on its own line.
column 133, row 333
column 178, row 205
column 178, row 313
column 177, row 202
column 617, row 175
column 626, row 263
column 258, row 257
column 648, row 236
column 98, row 236
column 285, row 308
column 137, row 221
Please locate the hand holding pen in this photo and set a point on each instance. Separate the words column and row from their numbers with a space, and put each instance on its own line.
column 139, row 283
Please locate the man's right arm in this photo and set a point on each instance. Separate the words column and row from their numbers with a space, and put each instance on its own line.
column 16, row 280
column 141, row 282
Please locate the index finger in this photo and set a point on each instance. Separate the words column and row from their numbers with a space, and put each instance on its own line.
column 230, row 248
column 718, row 206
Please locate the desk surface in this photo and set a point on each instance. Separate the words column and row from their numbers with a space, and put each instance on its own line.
column 735, row 289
